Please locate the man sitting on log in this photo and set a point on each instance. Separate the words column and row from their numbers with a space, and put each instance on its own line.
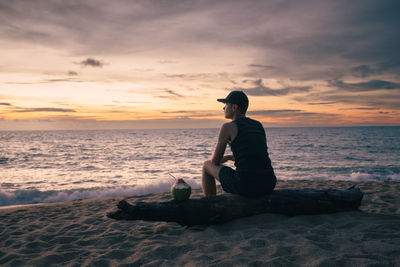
column 254, row 175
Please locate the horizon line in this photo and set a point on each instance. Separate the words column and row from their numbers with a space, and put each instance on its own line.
column 192, row 128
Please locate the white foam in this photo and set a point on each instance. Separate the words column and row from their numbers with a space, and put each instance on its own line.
column 364, row 177
column 394, row 177
column 354, row 176
column 21, row 197
column 358, row 177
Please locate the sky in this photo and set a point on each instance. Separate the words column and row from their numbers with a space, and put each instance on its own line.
column 98, row 64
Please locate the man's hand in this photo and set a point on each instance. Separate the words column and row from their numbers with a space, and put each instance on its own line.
column 227, row 157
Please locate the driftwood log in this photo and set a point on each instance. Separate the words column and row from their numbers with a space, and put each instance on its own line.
column 227, row 207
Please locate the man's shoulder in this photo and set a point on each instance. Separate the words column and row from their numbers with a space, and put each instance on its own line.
column 256, row 122
column 229, row 130
column 249, row 121
column 228, row 126
column 253, row 120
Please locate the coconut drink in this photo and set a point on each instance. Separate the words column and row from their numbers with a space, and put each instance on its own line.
column 180, row 190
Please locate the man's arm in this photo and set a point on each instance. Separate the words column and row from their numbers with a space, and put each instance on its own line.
column 225, row 136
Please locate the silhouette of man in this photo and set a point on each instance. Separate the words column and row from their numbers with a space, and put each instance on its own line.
column 254, row 175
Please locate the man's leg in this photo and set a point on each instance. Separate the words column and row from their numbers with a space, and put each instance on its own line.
column 210, row 173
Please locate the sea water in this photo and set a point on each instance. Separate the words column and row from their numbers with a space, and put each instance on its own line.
column 51, row 166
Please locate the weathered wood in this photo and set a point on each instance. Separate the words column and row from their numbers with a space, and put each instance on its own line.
column 226, row 207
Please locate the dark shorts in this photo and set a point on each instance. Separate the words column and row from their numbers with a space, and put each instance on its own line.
column 246, row 184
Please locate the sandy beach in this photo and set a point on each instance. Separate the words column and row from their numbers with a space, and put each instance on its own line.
column 78, row 233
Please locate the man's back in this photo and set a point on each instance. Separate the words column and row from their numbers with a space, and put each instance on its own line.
column 250, row 146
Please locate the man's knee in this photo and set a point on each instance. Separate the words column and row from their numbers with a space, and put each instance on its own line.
column 206, row 164
column 210, row 168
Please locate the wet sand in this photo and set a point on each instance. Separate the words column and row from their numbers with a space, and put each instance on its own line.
column 78, row 233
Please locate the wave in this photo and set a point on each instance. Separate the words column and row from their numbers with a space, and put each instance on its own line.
column 364, row 177
column 25, row 197
column 354, row 176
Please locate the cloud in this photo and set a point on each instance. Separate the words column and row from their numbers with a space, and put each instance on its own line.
column 83, row 124
column 91, row 62
column 362, row 71
column 303, row 40
column 321, row 103
column 378, row 99
column 282, row 113
column 5, row 104
column 274, row 111
column 167, row 62
column 194, row 113
column 265, row 67
column 361, row 108
column 183, row 76
column 56, row 80
column 169, row 93
column 262, row 90
column 44, row 120
column 44, row 110
column 324, row 37
column 143, row 70
column 69, row 79
column 283, row 40
column 72, row 73
column 18, row 82
column 373, row 85
column 195, row 76
column 296, row 116
column 178, row 112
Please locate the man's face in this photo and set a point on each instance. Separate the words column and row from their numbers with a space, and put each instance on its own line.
column 228, row 111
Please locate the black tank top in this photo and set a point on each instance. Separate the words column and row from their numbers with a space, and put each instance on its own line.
column 250, row 150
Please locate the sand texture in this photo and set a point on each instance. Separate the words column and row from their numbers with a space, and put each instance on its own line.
column 78, row 233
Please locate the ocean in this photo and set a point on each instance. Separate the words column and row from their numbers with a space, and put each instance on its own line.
column 52, row 166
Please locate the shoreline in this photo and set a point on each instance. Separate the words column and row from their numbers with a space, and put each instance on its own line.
column 79, row 233
column 287, row 184
column 282, row 184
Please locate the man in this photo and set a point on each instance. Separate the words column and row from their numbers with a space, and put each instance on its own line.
column 254, row 175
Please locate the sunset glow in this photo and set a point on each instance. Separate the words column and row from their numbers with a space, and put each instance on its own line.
column 155, row 64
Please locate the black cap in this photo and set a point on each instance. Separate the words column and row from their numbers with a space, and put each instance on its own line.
column 236, row 97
